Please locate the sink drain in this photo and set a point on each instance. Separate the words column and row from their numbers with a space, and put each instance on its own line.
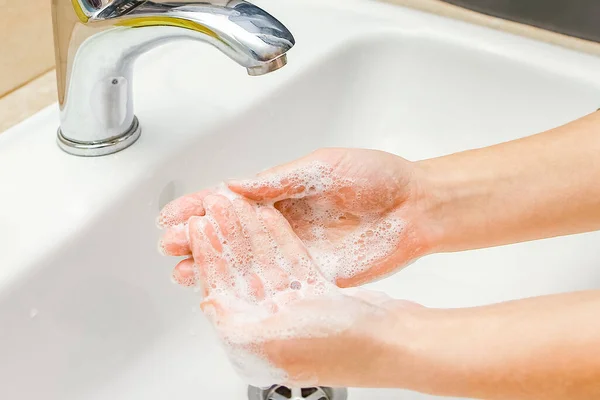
column 278, row 392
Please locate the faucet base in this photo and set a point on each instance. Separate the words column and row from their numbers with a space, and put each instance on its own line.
column 100, row 147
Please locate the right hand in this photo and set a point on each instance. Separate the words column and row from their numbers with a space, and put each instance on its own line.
column 359, row 212
column 281, row 322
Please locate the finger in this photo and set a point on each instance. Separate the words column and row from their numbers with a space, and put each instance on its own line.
column 220, row 210
column 214, row 310
column 236, row 250
column 212, row 268
column 252, row 227
column 256, row 287
column 377, row 270
column 272, row 278
column 258, row 242
column 180, row 210
column 185, row 272
column 175, row 241
column 254, row 231
column 285, row 181
column 264, row 189
column 210, row 232
column 295, row 259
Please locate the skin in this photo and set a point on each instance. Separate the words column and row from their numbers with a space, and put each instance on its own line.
column 269, row 304
column 388, row 186
column 537, row 187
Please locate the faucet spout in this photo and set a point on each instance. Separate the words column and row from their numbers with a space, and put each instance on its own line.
column 98, row 41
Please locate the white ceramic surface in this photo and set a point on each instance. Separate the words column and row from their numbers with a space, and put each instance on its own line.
column 87, row 309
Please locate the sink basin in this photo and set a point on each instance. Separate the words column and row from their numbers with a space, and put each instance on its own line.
column 87, row 309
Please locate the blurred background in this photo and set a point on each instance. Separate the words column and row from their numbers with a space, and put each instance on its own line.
column 27, row 49
column 26, row 44
column 579, row 18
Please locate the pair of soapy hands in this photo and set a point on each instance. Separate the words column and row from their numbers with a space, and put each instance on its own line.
column 272, row 261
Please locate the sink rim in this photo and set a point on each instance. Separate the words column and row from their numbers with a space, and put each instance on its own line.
column 114, row 175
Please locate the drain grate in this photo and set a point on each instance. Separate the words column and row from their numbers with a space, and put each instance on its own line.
column 278, row 392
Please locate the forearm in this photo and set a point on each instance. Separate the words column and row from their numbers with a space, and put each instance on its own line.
column 536, row 187
column 538, row 348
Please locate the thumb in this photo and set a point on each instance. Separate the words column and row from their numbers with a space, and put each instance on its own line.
column 286, row 181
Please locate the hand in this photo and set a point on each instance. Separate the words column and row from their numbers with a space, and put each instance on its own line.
column 283, row 323
column 358, row 212
column 279, row 319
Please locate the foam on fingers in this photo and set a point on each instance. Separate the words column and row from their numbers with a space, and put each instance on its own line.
column 293, row 256
column 245, row 292
column 210, row 262
column 313, row 177
column 185, row 272
column 265, row 285
column 178, row 211
column 175, row 241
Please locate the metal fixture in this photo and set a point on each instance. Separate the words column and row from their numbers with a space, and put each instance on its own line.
column 278, row 392
column 97, row 42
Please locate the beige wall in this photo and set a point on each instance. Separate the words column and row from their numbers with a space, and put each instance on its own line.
column 26, row 47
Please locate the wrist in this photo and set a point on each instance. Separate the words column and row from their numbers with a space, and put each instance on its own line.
column 413, row 351
column 426, row 350
column 454, row 198
column 433, row 198
column 396, row 334
column 435, row 356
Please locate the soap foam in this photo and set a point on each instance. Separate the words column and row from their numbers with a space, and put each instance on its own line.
column 249, row 320
column 372, row 239
column 313, row 178
column 295, row 293
column 252, row 328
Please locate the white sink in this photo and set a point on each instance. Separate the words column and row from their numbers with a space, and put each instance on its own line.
column 87, row 308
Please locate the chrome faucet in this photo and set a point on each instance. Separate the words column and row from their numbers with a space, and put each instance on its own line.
column 97, row 42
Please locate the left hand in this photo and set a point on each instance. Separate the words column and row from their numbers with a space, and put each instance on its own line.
column 360, row 213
